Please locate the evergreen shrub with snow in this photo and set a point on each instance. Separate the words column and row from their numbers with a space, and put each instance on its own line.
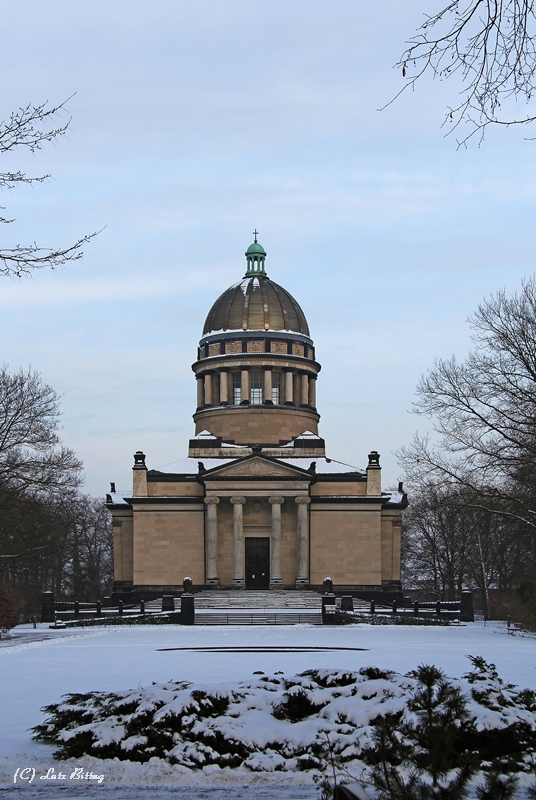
column 418, row 735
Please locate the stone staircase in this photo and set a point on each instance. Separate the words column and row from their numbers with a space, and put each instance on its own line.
column 240, row 617
column 228, row 607
column 258, row 600
column 245, row 607
column 245, row 600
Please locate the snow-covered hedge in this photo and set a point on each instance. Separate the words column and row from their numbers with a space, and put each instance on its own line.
column 377, row 718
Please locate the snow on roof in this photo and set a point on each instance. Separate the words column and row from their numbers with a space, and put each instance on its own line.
column 282, row 331
column 305, row 435
column 190, row 466
column 323, row 465
column 118, row 498
column 205, row 435
column 396, row 497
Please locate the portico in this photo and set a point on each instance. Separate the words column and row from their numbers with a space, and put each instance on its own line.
column 250, row 499
column 297, row 503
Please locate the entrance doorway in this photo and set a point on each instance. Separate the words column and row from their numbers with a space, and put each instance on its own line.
column 257, row 563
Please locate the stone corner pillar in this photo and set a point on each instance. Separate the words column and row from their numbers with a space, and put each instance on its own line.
column 276, row 581
column 211, row 541
column 238, row 543
column 302, row 561
column 374, row 474
column 139, row 475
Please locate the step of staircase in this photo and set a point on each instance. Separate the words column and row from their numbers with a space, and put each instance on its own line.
column 255, row 600
column 258, row 618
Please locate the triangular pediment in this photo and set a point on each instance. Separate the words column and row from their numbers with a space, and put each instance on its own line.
column 256, row 467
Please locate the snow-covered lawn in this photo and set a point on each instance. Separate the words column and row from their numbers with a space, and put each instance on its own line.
column 36, row 671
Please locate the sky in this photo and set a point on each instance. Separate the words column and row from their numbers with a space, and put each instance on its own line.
column 194, row 123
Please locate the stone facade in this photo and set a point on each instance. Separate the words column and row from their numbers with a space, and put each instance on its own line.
column 257, row 504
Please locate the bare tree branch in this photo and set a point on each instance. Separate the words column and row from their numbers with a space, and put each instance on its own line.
column 491, row 46
column 24, row 553
column 21, row 260
column 31, row 127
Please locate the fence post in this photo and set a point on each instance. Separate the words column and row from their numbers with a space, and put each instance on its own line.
column 99, row 608
column 120, row 607
column 329, row 609
column 142, row 606
column 416, row 608
column 347, row 603
column 394, row 607
column 372, row 607
column 47, row 607
column 168, row 602
column 467, row 613
column 187, row 609
column 438, row 608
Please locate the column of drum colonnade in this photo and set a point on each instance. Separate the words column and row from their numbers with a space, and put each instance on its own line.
column 207, row 382
column 238, row 502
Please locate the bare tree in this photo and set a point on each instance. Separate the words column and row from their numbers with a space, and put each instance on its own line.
column 89, row 570
column 484, row 411
column 31, row 127
column 60, row 542
column 450, row 542
column 490, row 46
column 32, row 458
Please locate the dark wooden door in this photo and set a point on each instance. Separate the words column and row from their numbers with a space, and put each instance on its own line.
column 257, row 563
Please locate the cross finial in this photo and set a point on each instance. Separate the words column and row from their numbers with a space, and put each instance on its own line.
column 255, row 234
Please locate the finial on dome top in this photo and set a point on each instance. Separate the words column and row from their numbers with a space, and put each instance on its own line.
column 255, row 255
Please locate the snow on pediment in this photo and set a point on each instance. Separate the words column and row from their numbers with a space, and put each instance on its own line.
column 205, row 435
column 257, row 467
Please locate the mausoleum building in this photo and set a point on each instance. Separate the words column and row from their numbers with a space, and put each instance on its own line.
column 257, row 504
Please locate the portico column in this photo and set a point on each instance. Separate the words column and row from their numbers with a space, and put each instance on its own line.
column 238, row 541
column 304, row 389
column 289, row 388
column 208, row 388
column 211, row 541
column 312, row 391
column 275, row 542
column 245, row 387
column 224, row 384
column 267, row 388
column 302, row 571
column 200, row 391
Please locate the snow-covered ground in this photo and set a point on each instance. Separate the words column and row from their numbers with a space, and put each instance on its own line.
column 38, row 666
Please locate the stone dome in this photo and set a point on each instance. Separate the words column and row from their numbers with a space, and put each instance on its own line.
column 256, row 303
